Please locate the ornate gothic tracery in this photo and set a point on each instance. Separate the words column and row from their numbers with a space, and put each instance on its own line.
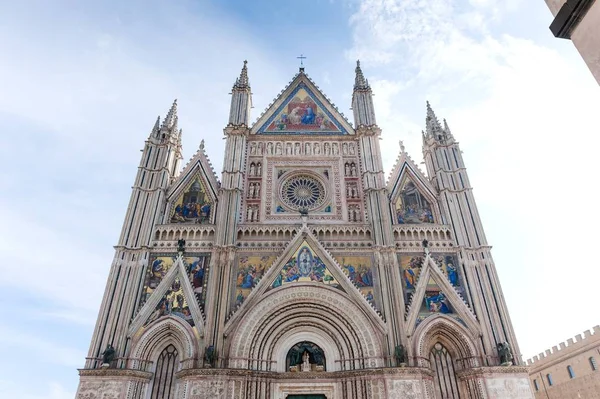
column 302, row 192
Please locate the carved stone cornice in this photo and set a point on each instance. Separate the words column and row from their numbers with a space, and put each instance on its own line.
column 310, row 375
column 236, row 130
column 124, row 373
column 371, row 130
column 481, row 371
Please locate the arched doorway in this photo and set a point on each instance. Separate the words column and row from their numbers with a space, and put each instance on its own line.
column 442, row 363
column 305, row 356
column 163, row 383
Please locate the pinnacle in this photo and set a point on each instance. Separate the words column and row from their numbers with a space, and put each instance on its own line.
column 360, row 81
column 171, row 118
column 432, row 125
column 243, row 81
column 447, row 128
column 156, row 127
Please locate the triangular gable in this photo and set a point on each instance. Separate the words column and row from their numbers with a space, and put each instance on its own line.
column 302, row 109
column 413, row 198
column 193, row 195
column 433, row 294
column 173, row 295
column 305, row 265
column 405, row 165
column 326, row 265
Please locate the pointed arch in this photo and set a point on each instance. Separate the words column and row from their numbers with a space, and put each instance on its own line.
column 150, row 341
column 176, row 272
column 454, row 336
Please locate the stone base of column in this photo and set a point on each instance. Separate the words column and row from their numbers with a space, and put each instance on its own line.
column 500, row 382
column 106, row 383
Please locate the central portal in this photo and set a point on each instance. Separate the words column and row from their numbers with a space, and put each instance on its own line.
column 306, row 397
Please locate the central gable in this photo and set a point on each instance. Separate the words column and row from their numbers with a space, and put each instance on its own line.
column 302, row 109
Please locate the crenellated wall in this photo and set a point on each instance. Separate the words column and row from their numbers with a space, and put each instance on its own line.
column 570, row 367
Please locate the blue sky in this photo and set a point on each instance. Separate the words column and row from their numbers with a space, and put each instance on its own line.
column 81, row 84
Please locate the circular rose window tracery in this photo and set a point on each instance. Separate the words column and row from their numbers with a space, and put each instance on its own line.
column 302, row 192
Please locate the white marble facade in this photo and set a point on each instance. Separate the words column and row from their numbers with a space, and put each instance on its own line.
column 302, row 250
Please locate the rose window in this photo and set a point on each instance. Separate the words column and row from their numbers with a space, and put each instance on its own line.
column 302, row 192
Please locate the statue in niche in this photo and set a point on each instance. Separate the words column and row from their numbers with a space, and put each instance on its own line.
column 258, row 169
column 345, row 149
column 326, row 149
column 306, row 361
column 108, row 356
column 269, row 148
column 317, row 149
column 351, row 149
column 505, row 354
column 278, row 149
column 260, row 149
column 209, row 356
column 400, row 355
column 297, row 149
column 253, row 149
column 307, row 149
column 335, row 149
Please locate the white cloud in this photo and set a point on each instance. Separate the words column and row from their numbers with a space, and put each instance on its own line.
column 524, row 114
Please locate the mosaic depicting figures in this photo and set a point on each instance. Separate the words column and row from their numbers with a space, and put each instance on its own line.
column 411, row 206
column 304, row 265
column 193, row 206
column 360, row 271
column 173, row 303
column 159, row 265
column 250, row 271
column 301, row 113
column 197, row 268
column 411, row 268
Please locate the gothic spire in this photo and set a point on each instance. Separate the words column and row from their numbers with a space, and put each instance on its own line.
column 243, row 82
column 360, row 83
column 170, row 121
column 432, row 125
column 447, row 129
column 241, row 99
column 156, row 127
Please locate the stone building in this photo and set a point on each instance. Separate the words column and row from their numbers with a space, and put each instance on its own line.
column 569, row 370
column 579, row 20
column 301, row 272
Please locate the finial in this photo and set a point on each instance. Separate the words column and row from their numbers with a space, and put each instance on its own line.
column 202, row 144
column 359, row 80
column 432, row 125
column 402, row 146
column 243, row 82
column 447, row 128
column 171, row 118
column 156, row 127
column 301, row 58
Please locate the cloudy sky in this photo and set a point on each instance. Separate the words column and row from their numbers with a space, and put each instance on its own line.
column 81, row 84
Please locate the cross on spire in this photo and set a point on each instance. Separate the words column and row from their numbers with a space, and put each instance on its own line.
column 301, row 58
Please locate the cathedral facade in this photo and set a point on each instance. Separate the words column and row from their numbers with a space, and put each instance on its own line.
column 302, row 272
